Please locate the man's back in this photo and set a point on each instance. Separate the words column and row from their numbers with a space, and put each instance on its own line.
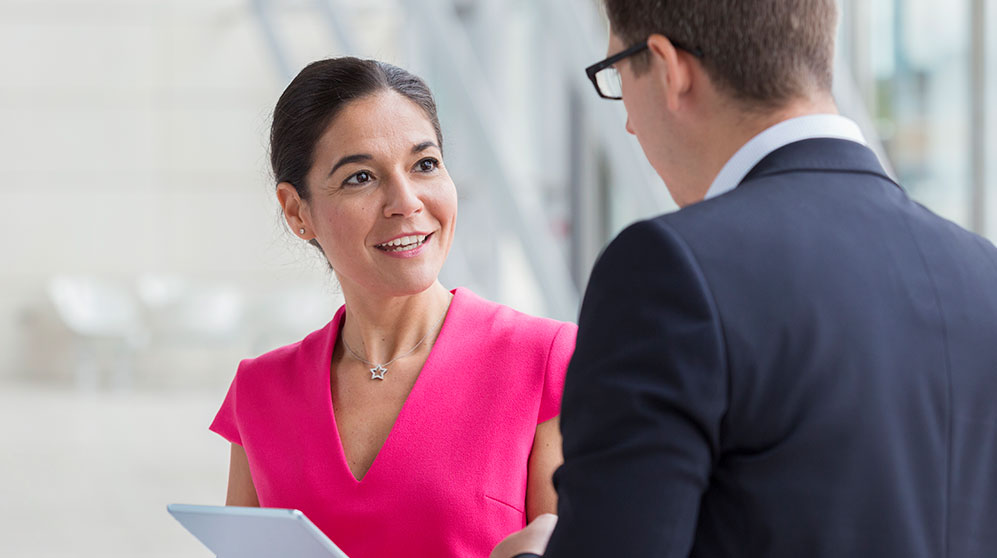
column 828, row 383
column 803, row 364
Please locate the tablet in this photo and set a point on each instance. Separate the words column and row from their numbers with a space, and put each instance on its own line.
column 236, row 532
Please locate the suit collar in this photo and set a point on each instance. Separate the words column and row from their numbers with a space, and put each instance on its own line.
column 779, row 135
column 819, row 155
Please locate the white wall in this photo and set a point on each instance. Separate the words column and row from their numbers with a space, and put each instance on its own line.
column 133, row 140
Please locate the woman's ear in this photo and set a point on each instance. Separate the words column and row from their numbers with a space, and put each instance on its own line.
column 295, row 211
column 672, row 70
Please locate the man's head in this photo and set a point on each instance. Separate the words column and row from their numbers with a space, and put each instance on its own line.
column 715, row 73
column 762, row 53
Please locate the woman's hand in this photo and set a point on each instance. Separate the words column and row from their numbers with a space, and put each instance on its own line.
column 531, row 539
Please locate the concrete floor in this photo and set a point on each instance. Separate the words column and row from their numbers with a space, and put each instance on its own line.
column 90, row 474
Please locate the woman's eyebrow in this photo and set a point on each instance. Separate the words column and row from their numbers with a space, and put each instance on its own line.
column 424, row 146
column 350, row 159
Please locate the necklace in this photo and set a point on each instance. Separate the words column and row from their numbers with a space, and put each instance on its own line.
column 378, row 371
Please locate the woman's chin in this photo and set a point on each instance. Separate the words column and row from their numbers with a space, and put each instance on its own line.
column 406, row 284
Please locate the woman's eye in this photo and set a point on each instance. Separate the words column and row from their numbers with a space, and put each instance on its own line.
column 361, row 177
column 428, row 164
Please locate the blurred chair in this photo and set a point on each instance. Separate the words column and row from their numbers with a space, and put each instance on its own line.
column 198, row 330
column 288, row 312
column 190, row 311
column 99, row 312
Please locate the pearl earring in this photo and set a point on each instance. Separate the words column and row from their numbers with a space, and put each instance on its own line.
column 301, row 231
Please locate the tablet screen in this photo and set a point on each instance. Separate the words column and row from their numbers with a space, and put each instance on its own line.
column 237, row 532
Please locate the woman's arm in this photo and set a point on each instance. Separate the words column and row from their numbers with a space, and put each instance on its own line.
column 241, row 491
column 545, row 458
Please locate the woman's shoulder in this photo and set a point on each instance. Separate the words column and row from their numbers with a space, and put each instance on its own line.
column 523, row 353
column 499, row 321
column 291, row 356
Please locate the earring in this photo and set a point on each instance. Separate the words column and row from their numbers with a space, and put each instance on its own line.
column 301, row 231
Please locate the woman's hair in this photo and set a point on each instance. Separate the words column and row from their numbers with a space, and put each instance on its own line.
column 317, row 94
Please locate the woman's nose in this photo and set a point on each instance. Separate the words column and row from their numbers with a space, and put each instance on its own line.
column 402, row 197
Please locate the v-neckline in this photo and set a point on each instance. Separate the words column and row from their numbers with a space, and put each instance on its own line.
column 334, row 333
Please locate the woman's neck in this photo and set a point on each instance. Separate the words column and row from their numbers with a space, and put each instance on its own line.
column 381, row 328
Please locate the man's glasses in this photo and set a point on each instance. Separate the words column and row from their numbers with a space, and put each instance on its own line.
column 606, row 78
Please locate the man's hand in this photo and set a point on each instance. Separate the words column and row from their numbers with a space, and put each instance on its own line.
column 531, row 539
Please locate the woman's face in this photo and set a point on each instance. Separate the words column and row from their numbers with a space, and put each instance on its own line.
column 381, row 204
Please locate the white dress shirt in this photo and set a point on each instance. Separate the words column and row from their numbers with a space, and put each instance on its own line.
column 780, row 135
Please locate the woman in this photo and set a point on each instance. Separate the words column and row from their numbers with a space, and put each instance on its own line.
column 419, row 421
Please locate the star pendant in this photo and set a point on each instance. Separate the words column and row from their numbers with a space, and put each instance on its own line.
column 377, row 373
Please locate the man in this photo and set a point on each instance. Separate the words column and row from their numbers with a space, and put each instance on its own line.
column 801, row 362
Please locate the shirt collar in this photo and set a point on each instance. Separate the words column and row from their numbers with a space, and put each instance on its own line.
column 782, row 134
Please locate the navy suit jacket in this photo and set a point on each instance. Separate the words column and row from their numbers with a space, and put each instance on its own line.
column 804, row 367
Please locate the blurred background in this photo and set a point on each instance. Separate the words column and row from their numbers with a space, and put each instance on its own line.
column 142, row 254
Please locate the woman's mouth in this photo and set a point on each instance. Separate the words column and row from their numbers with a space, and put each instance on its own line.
column 404, row 243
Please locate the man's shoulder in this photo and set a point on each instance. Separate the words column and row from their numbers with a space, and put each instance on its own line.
column 794, row 191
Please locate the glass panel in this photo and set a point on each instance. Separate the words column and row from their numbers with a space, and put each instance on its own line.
column 990, row 127
column 919, row 57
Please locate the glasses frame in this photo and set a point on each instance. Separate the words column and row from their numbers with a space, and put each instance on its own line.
column 601, row 65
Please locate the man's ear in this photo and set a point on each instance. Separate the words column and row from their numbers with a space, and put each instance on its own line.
column 295, row 211
column 673, row 69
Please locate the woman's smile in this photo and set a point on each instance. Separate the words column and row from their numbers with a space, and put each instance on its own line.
column 405, row 246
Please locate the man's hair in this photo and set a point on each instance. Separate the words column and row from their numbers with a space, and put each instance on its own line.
column 760, row 52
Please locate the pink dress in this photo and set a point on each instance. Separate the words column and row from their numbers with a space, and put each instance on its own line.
column 451, row 478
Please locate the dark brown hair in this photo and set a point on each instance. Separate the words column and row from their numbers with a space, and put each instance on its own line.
column 317, row 94
column 760, row 52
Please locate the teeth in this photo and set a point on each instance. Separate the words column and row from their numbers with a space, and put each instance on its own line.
column 404, row 243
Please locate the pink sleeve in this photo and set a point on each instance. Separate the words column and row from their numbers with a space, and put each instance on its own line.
column 561, row 349
column 226, row 423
